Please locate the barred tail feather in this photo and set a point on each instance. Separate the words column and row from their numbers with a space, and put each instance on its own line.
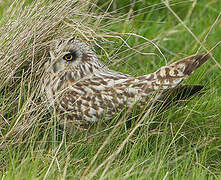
column 172, row 75
column 194, row 62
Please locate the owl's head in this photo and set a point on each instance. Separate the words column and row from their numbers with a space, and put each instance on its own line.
column 70, row 54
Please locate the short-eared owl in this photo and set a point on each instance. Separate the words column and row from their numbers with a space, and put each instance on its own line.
column 85, row 90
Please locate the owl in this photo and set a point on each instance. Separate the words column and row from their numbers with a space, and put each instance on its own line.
column 84, row 90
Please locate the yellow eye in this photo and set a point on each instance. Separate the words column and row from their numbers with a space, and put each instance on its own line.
column 68, row 57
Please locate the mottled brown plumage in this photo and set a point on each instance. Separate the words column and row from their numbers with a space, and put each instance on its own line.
column 85, row 90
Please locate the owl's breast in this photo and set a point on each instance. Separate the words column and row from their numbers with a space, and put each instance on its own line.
column 52, row 86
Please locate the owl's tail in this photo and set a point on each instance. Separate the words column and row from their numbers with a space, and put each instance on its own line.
column 176, row 95
column 170, row 76
column 192, row 63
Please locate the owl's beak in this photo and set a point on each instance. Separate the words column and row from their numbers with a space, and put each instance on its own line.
column 54, row 67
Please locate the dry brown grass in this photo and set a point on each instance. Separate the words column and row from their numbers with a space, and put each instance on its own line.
column 25, row 36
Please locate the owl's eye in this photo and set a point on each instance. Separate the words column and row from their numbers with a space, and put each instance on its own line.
column 70, row 56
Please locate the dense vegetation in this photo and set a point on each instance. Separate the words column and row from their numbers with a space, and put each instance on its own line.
column 134, row 37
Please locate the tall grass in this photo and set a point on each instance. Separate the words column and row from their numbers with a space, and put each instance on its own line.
column 134, row 37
